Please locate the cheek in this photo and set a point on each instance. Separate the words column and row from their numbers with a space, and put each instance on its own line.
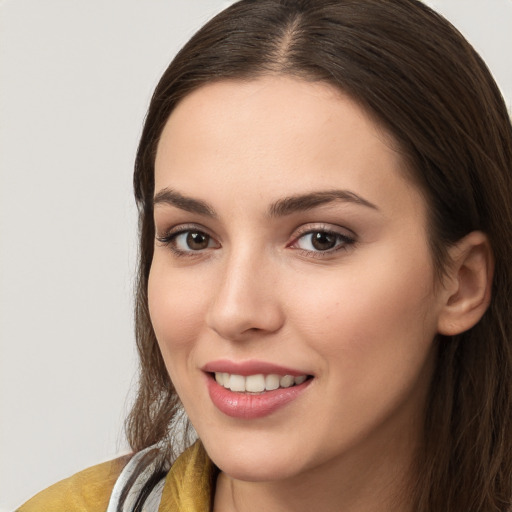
column 371, row 311
column 374, row 336
column 176, row 311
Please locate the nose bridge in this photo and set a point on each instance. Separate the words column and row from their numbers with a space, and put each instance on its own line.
column 246, row 298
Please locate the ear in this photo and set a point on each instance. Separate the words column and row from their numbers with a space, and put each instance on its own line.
column 467, row 287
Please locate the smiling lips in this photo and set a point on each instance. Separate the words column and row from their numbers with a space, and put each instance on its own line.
column 252, row 389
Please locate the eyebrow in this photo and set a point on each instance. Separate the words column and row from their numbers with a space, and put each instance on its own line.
column 189, row 204
column 303, row 202
column 281, row 208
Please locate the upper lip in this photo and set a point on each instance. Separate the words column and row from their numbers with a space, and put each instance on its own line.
column 251, row 367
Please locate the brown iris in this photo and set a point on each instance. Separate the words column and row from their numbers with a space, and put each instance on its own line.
column 323, row 241
column 197, row 240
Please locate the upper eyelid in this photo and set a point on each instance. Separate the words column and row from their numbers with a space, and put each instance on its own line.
column 327, row 227
column 181, row 228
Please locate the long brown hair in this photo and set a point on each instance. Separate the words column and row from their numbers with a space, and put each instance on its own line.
column 416, row 74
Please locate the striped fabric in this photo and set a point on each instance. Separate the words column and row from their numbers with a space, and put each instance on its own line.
column 146, row 471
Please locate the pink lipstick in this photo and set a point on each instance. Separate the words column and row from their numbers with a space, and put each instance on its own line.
column 253, row 389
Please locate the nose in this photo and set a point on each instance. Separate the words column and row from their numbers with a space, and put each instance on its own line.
column 245, row 301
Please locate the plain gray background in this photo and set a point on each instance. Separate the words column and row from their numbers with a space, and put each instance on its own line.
column 75, row 80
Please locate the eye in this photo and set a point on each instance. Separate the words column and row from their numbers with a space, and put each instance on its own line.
column 321, row 240
column 188, row 241
column 192, row 240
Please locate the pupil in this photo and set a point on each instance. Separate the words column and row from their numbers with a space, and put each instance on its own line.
column 323, row 241
column 197, row 241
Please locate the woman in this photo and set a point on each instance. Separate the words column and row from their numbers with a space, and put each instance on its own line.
column 324, row 273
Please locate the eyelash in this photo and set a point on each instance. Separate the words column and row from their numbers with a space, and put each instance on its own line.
column 343, row 241
column 169, row 240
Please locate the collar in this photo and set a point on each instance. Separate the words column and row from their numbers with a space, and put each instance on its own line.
column 147, row 481
column 190, row 483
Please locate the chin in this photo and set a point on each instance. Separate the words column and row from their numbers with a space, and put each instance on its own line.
column 254, row 463
column 250, row 472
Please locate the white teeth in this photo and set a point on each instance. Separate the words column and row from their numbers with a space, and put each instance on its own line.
column 222, row 378
column 271, row 382
column 299, row 380
column 286, row 381
column 236, row 383
column 257, row 383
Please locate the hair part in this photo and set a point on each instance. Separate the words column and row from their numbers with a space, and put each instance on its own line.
column 437, row 99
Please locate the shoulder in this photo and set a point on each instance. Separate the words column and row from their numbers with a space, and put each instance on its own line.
column 87, row 491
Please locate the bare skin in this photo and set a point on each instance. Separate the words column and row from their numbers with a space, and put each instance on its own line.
column 288, row 232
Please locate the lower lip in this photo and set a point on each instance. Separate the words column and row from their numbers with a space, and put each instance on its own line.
column 251, row 406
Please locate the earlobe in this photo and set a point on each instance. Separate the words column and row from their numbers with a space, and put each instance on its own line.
column 468, row 284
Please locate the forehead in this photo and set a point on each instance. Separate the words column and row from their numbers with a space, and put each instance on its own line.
column 298, row 105
column 275, row 135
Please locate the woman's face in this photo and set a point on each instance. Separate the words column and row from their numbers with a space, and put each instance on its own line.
column 290, row 243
